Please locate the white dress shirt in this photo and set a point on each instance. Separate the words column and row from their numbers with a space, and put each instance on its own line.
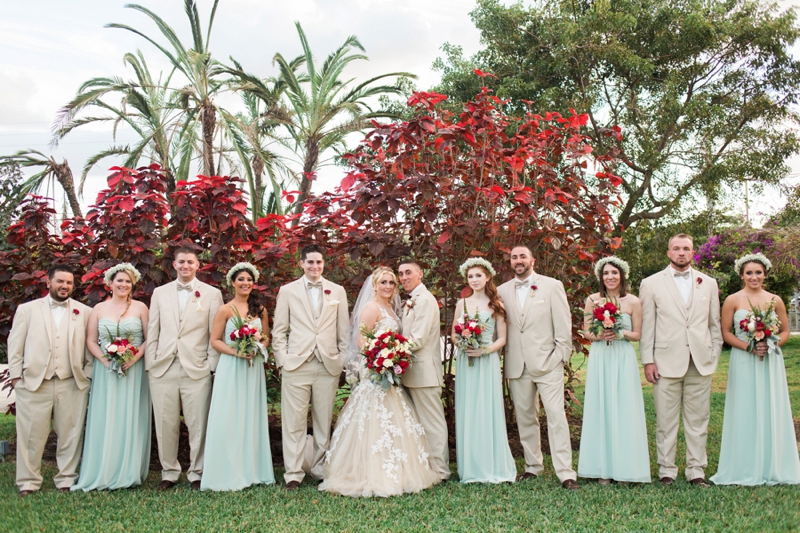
column 57, row 311
column 183, row 296
column 314, row 293
column 524, row 291
column 683, row 282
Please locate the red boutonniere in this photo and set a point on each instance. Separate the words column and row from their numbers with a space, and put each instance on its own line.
column 534, row 287
column 327, row 291
column 699, row 281
column 196, row 295
column 75, row 312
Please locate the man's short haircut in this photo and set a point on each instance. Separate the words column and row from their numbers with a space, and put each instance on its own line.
column 311, row 249
column 680, row 236
column 187, row 250
column 523, row 245
column 59, row 268
column 410, row 261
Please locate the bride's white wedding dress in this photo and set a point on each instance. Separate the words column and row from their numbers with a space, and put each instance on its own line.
column 378, row 447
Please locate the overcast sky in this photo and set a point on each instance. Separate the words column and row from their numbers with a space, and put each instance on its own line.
column 49, row 47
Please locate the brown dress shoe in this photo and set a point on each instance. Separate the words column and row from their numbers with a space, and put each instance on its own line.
column 166, row 485
column 603, row 481
column 666, row 481
column 292, row 485
column 527, row 475
column 195, row 484
column 700, row 482
column 64, row 489
column 570, row 484
column 25, row 493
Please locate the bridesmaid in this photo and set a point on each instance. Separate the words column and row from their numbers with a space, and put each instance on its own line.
column 614, row 433
column 482, row 450
column 759, row 446
column 237, row 438
column 116, row 450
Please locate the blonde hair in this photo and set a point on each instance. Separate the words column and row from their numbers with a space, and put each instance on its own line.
column 378, row 273
column 133, row 274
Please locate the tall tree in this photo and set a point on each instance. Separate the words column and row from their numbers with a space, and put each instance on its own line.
column 49, row 170
column 704, row 91
column 325, row 109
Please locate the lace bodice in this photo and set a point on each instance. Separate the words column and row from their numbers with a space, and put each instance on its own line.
column 387, row 321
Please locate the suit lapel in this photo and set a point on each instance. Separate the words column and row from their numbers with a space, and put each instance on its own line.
column 673, row 290
column 302, row 293
column 47, row 318
column 191, row 304
column 530, row 294
column 323, row 300
column 174, row 303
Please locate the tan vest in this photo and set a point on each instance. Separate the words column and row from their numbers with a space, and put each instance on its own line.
column 59, row 364
column 315, row 312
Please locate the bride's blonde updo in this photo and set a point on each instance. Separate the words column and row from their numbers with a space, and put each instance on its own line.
column 378, row 273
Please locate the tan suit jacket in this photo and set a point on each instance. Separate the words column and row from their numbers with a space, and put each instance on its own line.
column 29, row 343
column 168, row 337
column 295, row 333
column 671, row 333
column 422, row 327
column 539, row 336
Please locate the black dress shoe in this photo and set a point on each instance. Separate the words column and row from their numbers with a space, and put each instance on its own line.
column 292, row 485
column 667, row 481
column 527, row 475
column 700, row 482
column 166, row 485
column 570, row 484
column 195, row 484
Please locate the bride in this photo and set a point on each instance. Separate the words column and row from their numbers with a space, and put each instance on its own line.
column 378, row 447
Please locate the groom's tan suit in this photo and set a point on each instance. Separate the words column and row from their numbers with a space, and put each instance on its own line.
column 539, row 343
column 684, row 339
column 179, row 360
column 54, row 369
column 309, row 339
column 423, row 381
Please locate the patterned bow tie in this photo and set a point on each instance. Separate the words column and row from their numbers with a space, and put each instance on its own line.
column 519, row 284
column 317, row 285
column 182, row 287
column 63, row 305
column 684, row 275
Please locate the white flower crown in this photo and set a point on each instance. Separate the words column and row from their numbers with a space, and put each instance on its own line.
column 614, row 260
column 749, row 258
column 239, row 266
column 475, row 261
column 126, row 267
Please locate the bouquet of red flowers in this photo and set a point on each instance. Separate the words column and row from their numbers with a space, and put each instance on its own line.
column 388, row 356
column 469, row 330
column 605, row 316
column 119, row 351
column 761, row 325
column 245, row 339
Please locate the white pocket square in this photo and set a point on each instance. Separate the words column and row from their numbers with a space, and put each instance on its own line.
column 538, row 301
column 333, row 302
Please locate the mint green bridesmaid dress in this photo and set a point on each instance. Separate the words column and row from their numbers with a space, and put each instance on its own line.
column 482, row 451
column 116, row 449
column 237, row 452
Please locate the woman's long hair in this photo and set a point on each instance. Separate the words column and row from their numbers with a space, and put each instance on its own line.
column 255, row 304
column 623, row 283
column 378, row 273
column 495, row 303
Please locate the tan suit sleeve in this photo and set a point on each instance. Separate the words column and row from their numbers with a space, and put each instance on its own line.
column 153, row 330
column 562, row 323
column 342, row 323
column 647, row 341
column 216, row 303
column 280, row 327
column 16, row 341
column 426, row 312
column 88, row 358
column 714, row 323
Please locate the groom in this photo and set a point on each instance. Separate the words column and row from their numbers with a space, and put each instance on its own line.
column 680, row 347
column 539, row 345
column 423, row 380
column 179, row 360
column 309, row 339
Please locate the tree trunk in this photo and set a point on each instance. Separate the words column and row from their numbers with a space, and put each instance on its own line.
column 64, row 176
column 310, row 166
column 258, row 170
column 209, row 122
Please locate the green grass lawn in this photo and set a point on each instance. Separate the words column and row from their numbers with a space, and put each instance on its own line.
column 535, row 505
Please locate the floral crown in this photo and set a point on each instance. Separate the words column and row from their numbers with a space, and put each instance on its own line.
column 122, row 267
column 242, row 266
column 475, row 261
column 749, row 258
column 614, row 260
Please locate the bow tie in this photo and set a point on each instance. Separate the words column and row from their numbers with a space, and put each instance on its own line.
column 63, row 305
column 684, row 275
column 519, row 284
column 182, row 287
column 317, row 285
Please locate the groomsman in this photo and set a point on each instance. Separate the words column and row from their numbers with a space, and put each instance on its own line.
column 423, row 381
column 179, row 360
column 50, row 369
column 309, row 340
column 680, row 347
column 539, row 345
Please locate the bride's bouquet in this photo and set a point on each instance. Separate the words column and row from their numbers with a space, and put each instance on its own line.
column 761, row 325
column 469, row 331
column 606, row 315
column 245, row 339
column 119, row 351
column 388, row 356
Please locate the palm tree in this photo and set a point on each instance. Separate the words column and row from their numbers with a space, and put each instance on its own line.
column 195, row 99
column 325, row 110
column 144, row 107
column 50, row 171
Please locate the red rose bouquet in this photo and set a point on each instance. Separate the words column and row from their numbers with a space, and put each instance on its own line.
column 388, row 356
column 761, row 325
column 469, row 331
column 119, row 351
column 605, row 315
column 245, row 339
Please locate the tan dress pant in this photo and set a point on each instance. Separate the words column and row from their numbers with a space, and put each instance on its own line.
column 430, row 412
column 309, row 383
column 169, row 392
column 694, row 392
column 525, row 391
column 66, row 404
